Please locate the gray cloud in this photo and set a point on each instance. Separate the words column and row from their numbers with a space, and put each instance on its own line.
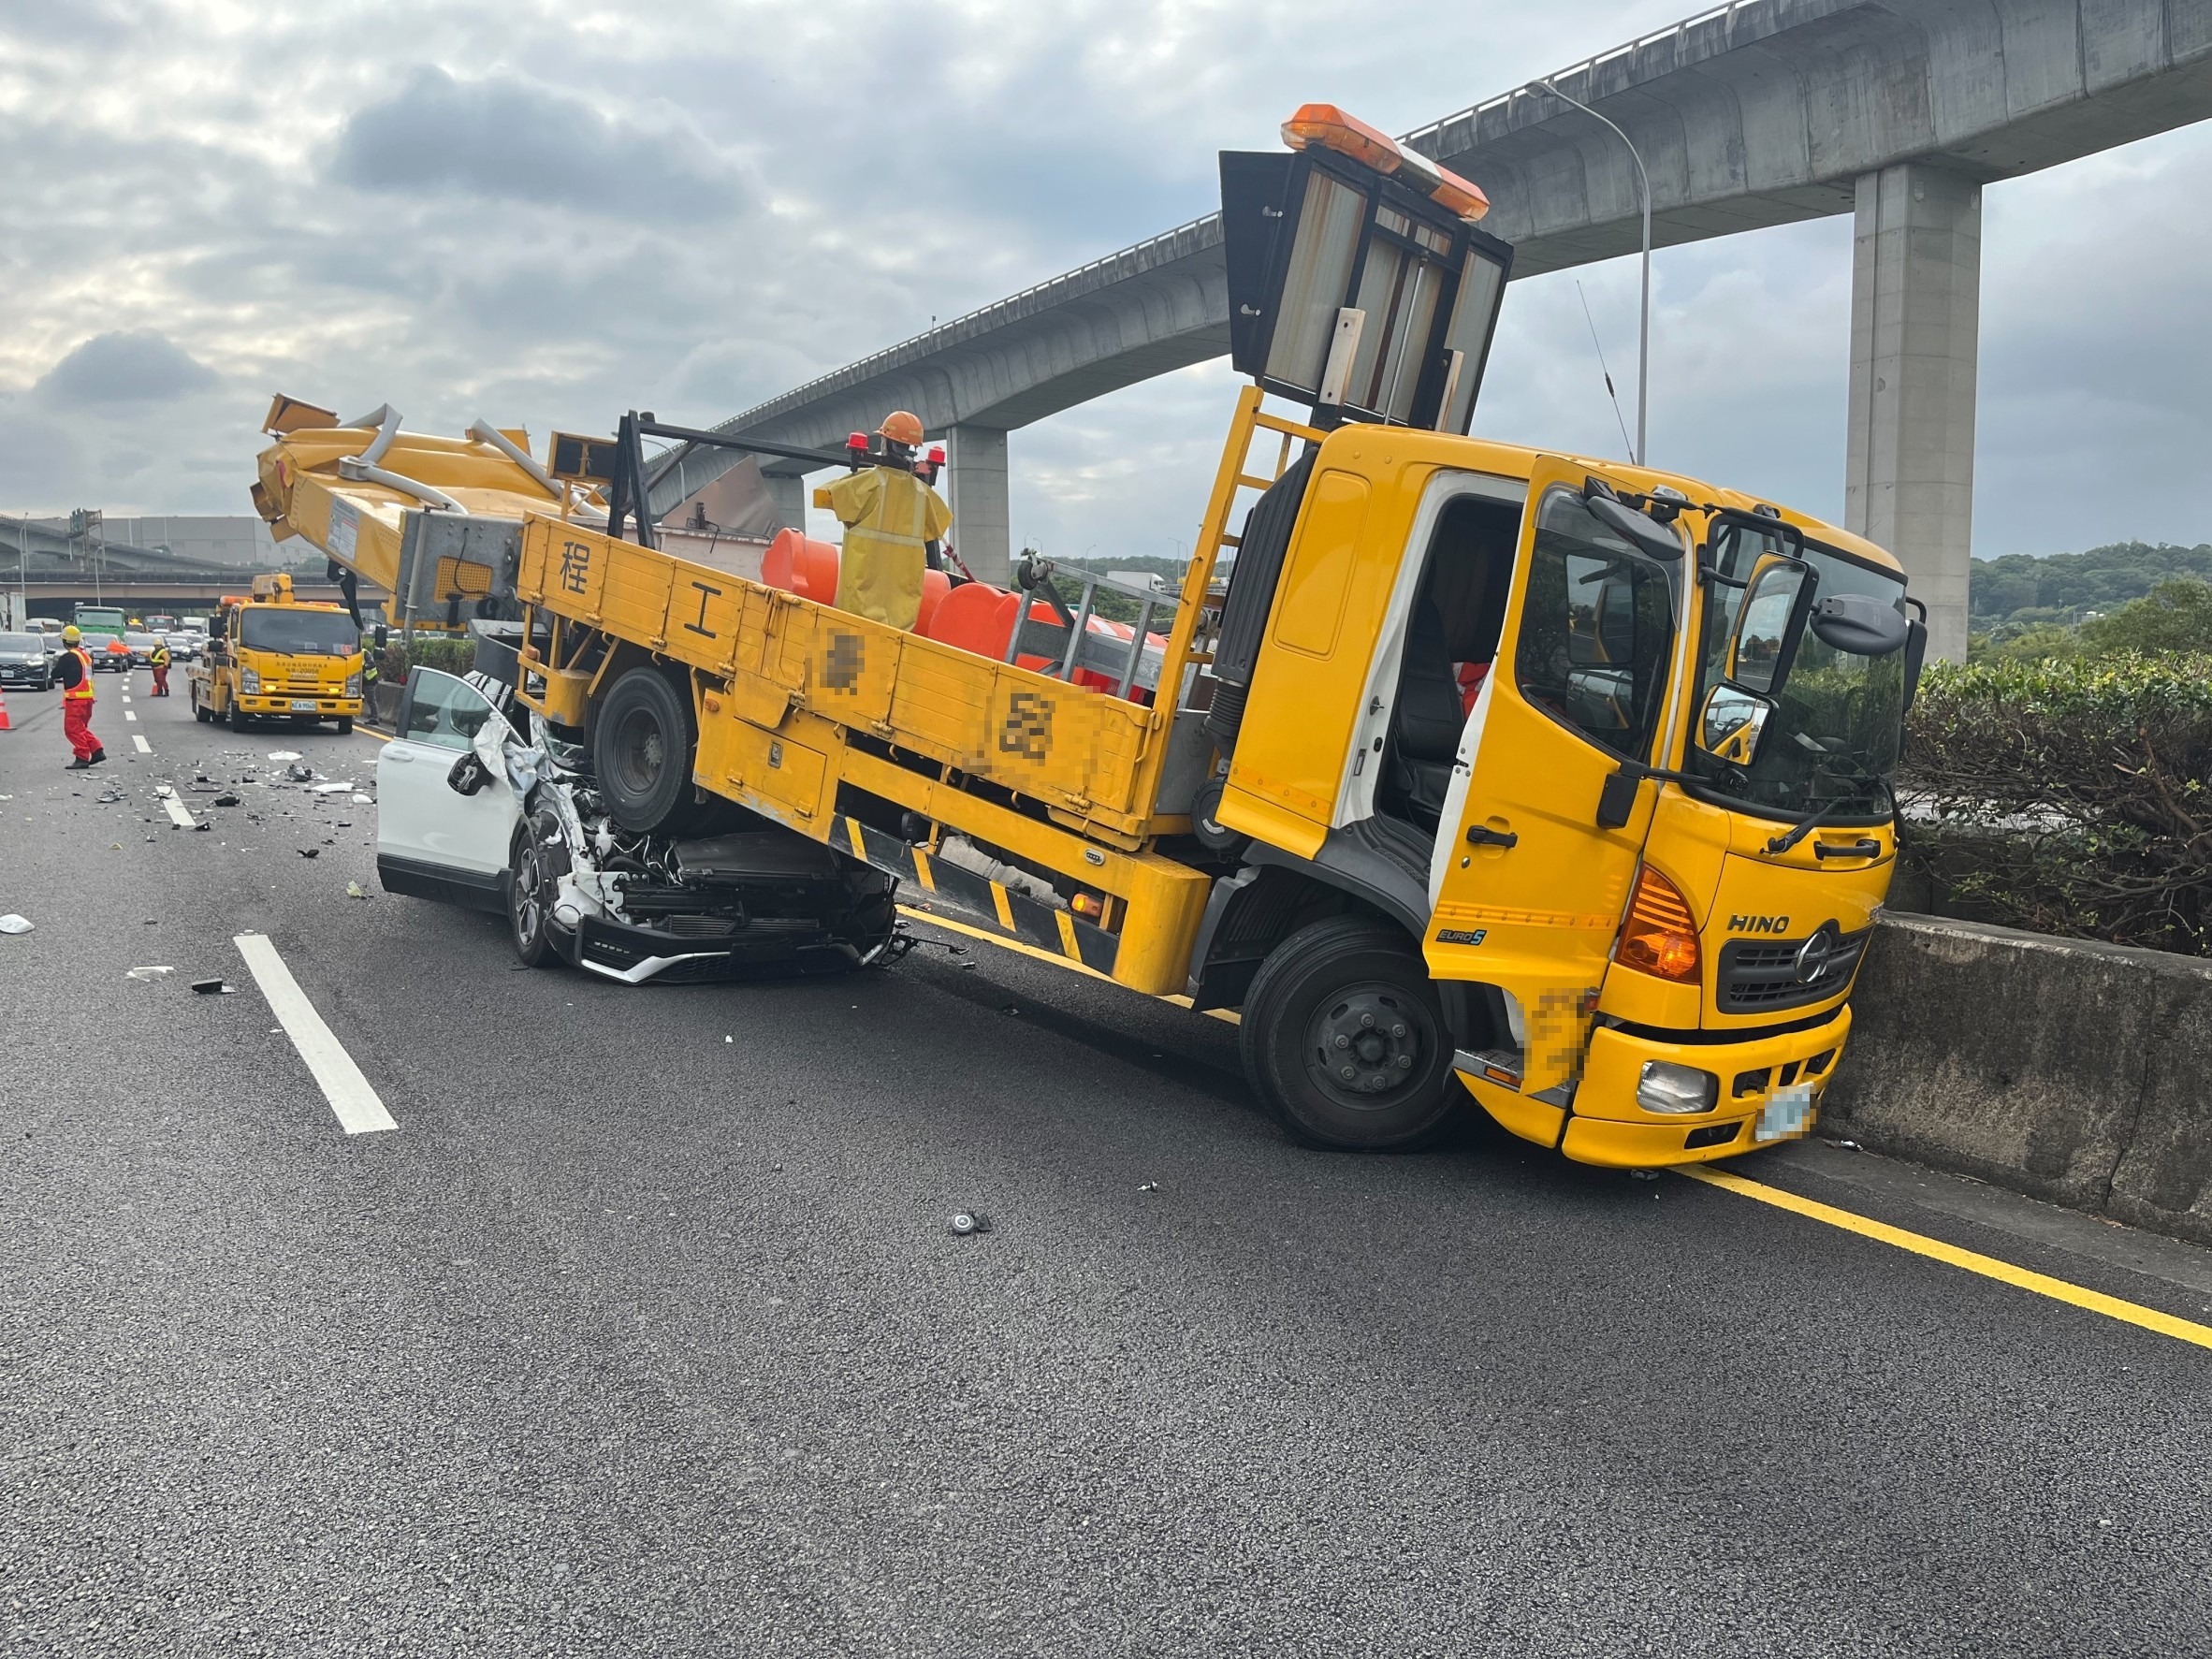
column 511, row 140
column 123, row 368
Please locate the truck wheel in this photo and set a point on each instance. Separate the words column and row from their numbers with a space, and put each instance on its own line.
column 237, row 722
column 199, row 709
column 345, row 725
column 535, row 868
column 1344, row 1037
column 642, row 743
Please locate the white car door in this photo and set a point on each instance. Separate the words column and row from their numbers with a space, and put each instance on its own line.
column 431, row 840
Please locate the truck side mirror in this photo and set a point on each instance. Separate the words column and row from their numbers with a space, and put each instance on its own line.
column 382, row 636
column 1732, row 722
column 1646, row 535
column 1770, row 624
column 1915, row 652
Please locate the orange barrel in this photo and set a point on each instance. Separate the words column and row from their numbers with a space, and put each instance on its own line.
column 935, row 586
column 798, row 563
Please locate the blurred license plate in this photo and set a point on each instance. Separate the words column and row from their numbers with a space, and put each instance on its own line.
column 1785, row 1113
column 303, row 706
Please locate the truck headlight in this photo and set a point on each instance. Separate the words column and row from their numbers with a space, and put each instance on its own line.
column 248, row 681
column 353, row 685
column 1665, row 1087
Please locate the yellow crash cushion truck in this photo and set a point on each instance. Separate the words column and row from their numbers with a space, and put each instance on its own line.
column 1551, row 782
column 273, row 657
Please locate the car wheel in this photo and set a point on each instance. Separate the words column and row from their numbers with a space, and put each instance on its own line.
column 1344, row 1034
column 642, row 744
column 535, row 863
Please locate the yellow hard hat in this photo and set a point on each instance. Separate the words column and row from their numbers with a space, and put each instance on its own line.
column 70, row 635
column 901, row 425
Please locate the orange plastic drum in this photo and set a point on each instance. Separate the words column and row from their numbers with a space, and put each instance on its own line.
column 798, row 563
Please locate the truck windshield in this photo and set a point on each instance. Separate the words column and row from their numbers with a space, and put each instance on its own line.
column 301, row 633
column 1840, row 718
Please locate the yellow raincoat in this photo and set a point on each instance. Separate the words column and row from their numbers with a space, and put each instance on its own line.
column 888, row 515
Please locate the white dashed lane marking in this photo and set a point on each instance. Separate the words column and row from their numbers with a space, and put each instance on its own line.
column 359, row 1108
column 128, row 715
column 144, row 747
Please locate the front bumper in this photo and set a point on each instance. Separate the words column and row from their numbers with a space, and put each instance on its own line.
column 1603, row 1124
column 639, row 956
column 327, row 707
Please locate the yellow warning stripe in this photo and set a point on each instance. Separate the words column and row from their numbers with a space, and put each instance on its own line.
column 2095, row 1302
column 1067, row 943
column 1019, row 946
column 860, row 843
column 1004, row 911
column 923, row 873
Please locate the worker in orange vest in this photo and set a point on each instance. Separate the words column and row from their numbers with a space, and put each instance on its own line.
column 893, row 523
column 74, row 667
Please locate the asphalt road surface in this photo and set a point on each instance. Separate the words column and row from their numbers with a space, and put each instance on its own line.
column 643, row 1332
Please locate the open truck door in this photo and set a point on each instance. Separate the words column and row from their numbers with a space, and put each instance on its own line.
column 1542, row 830
column 445, row 817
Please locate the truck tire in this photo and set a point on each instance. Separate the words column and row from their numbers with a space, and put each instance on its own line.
column 237, row 722
column 536, row 861
column 1344, row 995
column 199, row 709
column 642, row 742
column 345, row 725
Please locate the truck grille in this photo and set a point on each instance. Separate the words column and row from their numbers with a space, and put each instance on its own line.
column 1760, row 976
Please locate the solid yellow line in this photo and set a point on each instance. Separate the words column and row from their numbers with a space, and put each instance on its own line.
column 1005, row 910
column 2096, row 1301
column 365, row 732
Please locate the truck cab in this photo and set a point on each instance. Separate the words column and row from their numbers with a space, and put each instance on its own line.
column 1606, row 747
column 270, row 656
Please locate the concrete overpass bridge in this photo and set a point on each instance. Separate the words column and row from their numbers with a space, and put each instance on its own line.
column 41, row 564
column 1754, row 113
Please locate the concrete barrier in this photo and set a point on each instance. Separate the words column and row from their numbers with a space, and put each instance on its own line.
column 2064, row 1069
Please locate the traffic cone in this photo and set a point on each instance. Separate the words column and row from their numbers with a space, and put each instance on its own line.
column 3, row 725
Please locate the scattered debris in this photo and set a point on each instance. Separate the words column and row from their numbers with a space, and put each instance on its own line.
column 300, row 772
column 968, row 1221
column 1011, row 1008
column 149, row 973
column 13, row 923
column 108, row 799
column 213, row 988
column 311, row 852
column 1643, row 1174
column 355, row 890
column 284, row 754
column 151, row 921
column 223, row 801
column 361, row 800
column 1852, row 1144
column 1148, row 1187
column 332, row 789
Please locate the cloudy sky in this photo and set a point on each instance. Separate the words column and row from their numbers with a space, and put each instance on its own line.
column 547, row 213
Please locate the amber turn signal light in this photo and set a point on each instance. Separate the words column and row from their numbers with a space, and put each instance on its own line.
column 1660, row 937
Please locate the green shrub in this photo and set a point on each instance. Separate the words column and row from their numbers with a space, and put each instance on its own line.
column 2067, row 796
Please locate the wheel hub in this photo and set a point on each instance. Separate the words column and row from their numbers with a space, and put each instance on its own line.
column 1367, row 1042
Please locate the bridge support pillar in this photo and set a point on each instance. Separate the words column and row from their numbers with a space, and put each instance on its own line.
column 791, row 495
column 982, row 514
column 1916, row 321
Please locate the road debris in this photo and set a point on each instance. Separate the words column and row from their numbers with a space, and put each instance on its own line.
column 300, row 772
column 968, row 1221
column 1148, row 1187
column 223, row 801
column 355, row 890
column 284, row 754
column 149, row 973
column 213, row 988
column 11, row 923
column 361, row 800
column 108, row 799
column 311, row 852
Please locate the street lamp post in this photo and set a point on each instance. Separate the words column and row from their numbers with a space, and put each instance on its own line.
column 1643, row 346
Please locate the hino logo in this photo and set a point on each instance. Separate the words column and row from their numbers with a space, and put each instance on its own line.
column 1758, row 924
column 1816, row 953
